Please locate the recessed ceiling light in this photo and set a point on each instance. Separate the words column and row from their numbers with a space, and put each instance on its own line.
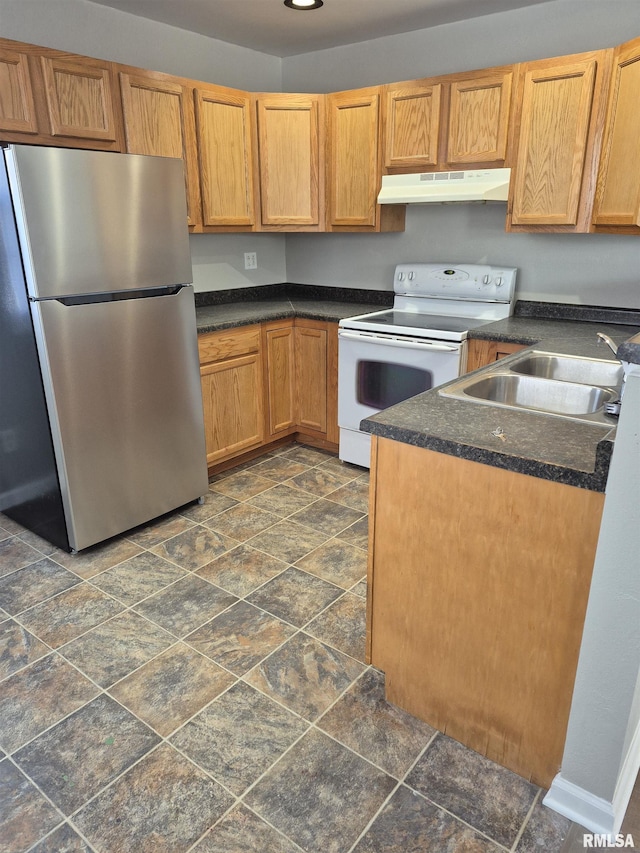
column 303, row 4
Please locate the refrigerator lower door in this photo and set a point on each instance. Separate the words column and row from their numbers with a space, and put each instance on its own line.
column 122, row 384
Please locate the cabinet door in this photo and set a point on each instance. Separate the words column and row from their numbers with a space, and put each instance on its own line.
column 17, row 108
column 231, row 371
column 412, row 126
column 618, row 200
column 80, row 94
column 281, row 378
column 478, row 120
column 311, row 376
column 159, row 120
column 353, row 157
column 225, row 149
column 555, row 126
column 232, row 400
column 289, row 159
column 480, row 353
column 333, row 430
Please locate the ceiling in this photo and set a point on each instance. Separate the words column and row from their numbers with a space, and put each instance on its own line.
column 269, row 27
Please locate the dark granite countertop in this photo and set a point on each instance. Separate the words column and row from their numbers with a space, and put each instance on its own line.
column 231, row 308
column 540, row 445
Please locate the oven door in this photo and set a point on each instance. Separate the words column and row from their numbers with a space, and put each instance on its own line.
column 377, row 371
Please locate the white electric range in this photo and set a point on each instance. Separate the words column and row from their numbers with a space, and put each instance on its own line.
column 388, row 356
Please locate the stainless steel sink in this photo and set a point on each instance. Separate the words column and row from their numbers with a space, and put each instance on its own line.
column 534, row 393
column 569, row 368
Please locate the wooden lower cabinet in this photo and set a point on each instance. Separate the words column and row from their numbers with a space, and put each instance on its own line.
column 232, row 392
column 311, row 376
column 280, row 380
column 477, row 595
column 481, row 353
column 265, row 382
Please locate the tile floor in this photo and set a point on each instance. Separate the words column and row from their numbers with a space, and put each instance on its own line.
column 199, row 685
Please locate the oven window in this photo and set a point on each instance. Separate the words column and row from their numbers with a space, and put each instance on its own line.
column 380, row 385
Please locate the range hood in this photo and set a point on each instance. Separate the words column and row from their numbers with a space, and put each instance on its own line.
column 434, row 187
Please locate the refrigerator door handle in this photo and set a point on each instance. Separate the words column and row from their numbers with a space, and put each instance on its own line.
column 116, row 296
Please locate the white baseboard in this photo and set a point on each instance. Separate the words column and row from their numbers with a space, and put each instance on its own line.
column 627, row 779
column 595, row 814
column 580, row 806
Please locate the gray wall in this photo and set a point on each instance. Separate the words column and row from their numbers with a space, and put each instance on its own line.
column 587, row 269
column 93, row 30
column 535, row 32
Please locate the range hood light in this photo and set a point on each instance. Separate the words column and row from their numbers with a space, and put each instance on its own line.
column 303, row 4
column 445, row 187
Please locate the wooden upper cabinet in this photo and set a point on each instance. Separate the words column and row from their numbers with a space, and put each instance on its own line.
column 159, row 120
column 618, row 194
column 479, row 113
column 452, row 122
column 223, row 128
column 17, row 106
column 80, row 98
column 354, row 164
column 289, row 162
column 561, row 115
column 353, row 157
column 412, row 126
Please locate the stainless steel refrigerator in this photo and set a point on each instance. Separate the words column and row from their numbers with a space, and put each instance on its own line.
column 101, row 421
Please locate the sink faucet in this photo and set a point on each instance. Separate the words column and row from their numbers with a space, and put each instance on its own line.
column 612, row 346
column 613, row 408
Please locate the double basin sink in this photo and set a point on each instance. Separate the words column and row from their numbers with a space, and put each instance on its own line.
column 563, row 385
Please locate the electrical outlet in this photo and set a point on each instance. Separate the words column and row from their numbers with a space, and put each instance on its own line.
column 251, row 260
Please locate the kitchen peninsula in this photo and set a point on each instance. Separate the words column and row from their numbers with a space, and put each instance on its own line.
column 484, row 525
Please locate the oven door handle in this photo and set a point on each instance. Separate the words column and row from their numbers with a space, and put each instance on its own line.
column 395, row 343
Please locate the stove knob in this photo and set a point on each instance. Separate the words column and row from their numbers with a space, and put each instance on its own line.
column 400, row 276
column 412, row 275
column 499, row 281
column 485, row 279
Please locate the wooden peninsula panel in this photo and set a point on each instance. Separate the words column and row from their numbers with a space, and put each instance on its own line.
column 479, row 579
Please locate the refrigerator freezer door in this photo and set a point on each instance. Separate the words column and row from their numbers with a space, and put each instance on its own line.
column 94, row 221
column 122, row 383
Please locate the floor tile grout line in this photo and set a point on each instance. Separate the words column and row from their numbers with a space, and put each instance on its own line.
column 264, row 820
column 438, row 805
column 379, row 811
column 37, row 788
column 526, row 820
column 10, row 760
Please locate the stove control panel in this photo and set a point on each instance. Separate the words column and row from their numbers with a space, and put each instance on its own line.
column 477, row 282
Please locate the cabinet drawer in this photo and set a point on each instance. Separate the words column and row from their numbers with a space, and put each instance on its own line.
column 215, row 346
